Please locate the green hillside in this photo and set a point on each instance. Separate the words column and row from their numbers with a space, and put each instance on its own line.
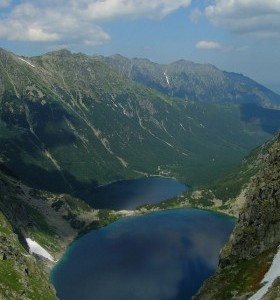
column 69, row 122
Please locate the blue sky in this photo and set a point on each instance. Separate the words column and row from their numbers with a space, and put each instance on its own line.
column 235, row 35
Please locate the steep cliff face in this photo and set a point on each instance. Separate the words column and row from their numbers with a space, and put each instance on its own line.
column 246, row 257
column 258, row 228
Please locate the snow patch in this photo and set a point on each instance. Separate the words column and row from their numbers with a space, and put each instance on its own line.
column 35, row 248
column 269, row 277
column 167, row 79
column 30, row 64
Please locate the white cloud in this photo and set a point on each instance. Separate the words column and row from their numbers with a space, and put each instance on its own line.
column 113, row 9
column 20, row 31
column 208, row 45
column 258, row 17
column 76, row 21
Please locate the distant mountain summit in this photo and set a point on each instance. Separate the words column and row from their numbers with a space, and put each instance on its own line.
column 193, row 81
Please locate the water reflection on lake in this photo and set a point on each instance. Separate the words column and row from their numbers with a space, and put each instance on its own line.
column 160, row 256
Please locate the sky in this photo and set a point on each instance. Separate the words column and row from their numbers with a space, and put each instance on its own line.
column 241, row 36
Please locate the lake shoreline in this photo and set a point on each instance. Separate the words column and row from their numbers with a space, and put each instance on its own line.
column 153, row 214
column 133, row 213
column 126, row 214
column 138, row 211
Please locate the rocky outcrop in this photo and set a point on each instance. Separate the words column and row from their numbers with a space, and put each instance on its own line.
column 247, row 256
column 50, row 220
column 22, row 276
column 258, row 227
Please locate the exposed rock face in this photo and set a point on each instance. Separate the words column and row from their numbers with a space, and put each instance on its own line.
column 28, row 213
column 258, row 228
column 254, row 241
column 22, row 276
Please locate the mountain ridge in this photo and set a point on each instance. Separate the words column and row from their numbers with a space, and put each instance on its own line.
column 185, row 79
column 61, row 100
column 69, row 122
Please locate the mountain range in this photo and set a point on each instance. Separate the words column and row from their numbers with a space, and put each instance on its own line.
column 193, row 81
column 70, row 122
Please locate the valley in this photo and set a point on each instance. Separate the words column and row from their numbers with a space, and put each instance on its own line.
column 71, row 122
column 62, row 102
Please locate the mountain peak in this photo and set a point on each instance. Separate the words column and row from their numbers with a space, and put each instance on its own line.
column 60, row 52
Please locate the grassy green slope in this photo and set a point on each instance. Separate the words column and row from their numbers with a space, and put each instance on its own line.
column 52, row 220
column 71, row 122
column 21, row 275
column 227, row 194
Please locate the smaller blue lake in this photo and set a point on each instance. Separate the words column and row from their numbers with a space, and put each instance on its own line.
column 128, row 194
column 160, row 256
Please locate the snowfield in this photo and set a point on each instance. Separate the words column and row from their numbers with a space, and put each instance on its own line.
column 35, row 248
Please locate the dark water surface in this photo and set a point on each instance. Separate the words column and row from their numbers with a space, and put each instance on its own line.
column 128, row 194
column 159, row 256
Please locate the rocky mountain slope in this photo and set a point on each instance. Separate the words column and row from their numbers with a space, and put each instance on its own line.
column 198, row 82
column 247, row 256
column 50, row 221
column 69, row 122
column 22, row 276
column 53, row 220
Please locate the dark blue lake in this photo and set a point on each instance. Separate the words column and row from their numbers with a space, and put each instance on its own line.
column 128, row 194
column 160, row 256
